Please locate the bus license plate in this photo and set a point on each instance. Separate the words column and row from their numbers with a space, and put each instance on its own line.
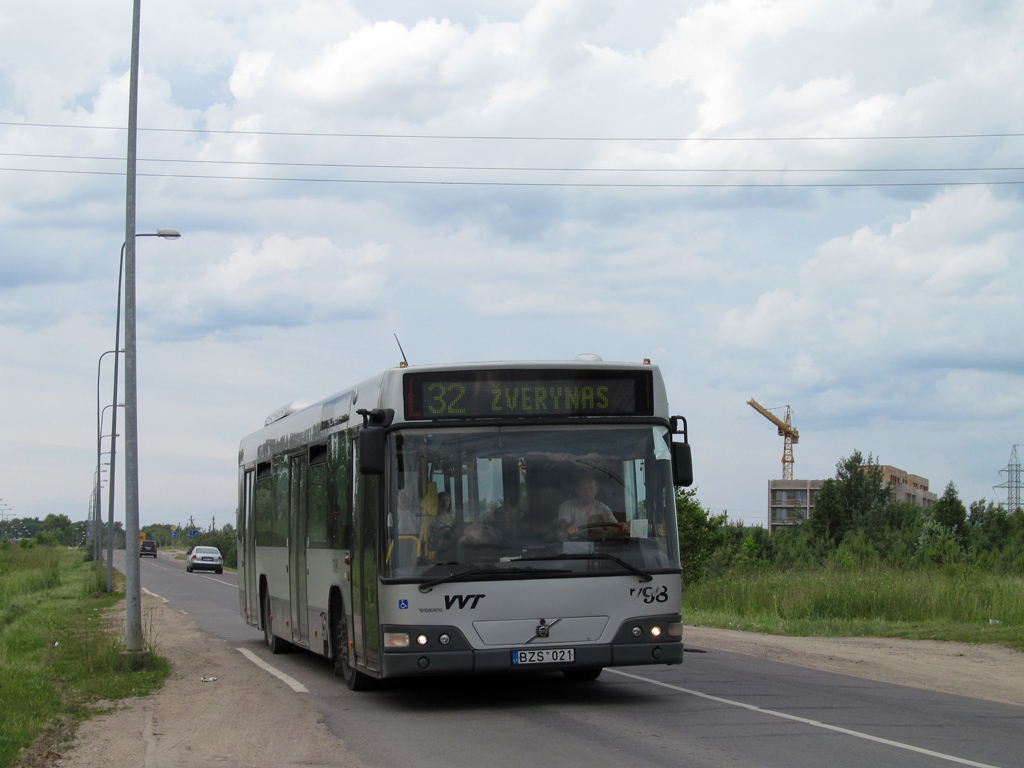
column 549, row 656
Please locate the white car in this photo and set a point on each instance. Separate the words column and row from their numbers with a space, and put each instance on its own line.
column 204, row 559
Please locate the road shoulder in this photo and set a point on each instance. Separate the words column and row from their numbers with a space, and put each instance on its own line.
column 989, row 672
column 217, row 707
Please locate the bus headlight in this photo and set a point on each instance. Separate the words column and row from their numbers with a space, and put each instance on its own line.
column 421, row 639
column 655, row 631
column 396, row 639
column 675, row 629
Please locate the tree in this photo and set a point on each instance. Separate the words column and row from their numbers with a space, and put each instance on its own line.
column 60, row 529
column 699, row 534
column 851, row 501
column 950, row 513
column 996, row 536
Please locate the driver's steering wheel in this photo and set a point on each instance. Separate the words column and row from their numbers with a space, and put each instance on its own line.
column 582, row 530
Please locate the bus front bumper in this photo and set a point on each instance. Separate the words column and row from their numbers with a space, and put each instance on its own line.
column 458, row 657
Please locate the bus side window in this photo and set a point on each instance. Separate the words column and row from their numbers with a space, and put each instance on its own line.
column 319, row 509
column 264, row 504
column 279, row 519
column 339, row 497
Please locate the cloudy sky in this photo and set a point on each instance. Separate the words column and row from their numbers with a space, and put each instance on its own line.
column 805, row 202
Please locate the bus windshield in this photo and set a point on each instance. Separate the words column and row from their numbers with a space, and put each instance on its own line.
column 525, row 502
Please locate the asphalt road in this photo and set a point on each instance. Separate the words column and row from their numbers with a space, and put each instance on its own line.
column 718, row 709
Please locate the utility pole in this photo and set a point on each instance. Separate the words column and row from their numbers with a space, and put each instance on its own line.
column 136, row 658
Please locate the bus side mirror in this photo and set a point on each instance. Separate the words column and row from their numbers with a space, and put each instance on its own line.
column 682, row 461
column 371, row 450
column 682, row 465
column 372, row 439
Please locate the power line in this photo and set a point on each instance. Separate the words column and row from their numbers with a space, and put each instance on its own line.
column 614, row 185
column 380, row 166
column 528, row 138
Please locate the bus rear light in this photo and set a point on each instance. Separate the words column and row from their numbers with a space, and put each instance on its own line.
column 396, row 639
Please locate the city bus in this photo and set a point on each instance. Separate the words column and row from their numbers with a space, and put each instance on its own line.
column 470, row 518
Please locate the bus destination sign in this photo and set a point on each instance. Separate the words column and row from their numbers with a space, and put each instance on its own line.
column 496, row 394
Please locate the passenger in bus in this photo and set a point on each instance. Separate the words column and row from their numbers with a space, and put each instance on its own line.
column 505, row 520
column 441, row 536
column 576, row 515
column 410, row 512
column 445, row 513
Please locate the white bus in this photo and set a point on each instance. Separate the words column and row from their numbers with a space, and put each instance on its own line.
column 470, row 518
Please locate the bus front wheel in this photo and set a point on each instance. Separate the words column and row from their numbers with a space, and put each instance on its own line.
column 354, row 679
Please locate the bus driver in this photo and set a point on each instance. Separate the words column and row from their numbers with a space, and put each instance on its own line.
column 585, row 510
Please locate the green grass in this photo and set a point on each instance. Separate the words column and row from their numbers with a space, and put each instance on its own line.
column 59, row 654
column 962, row 604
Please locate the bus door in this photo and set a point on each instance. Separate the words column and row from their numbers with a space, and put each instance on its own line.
column 366, row 505
column 248, row 550
column 297, row 509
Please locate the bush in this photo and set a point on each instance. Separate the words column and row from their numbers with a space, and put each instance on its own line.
column 939, row 545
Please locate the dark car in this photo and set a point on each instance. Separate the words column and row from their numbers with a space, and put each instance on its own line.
column 147, row 547
column 204, row 559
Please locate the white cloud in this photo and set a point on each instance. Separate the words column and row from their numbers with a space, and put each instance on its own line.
column 868, row 309
column 250, row 72
column 282, row 282
column 384, row 55
column 892, row 311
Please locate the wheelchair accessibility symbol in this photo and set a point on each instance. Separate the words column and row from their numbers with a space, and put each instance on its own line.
column 403, row 604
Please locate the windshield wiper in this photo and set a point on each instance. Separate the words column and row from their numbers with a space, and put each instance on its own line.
column 592, row 556
column 490, row 570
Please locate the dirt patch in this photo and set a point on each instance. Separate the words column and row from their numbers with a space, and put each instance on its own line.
column 244, row 717
column 981, row 671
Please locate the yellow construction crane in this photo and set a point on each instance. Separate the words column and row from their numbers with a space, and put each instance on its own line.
column 786, row 430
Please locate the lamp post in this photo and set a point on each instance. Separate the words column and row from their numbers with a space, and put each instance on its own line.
column 113, row 452
column 94, row 502
column 135, row 657
column 96, row 548
column 5, row 513
column 166, row 234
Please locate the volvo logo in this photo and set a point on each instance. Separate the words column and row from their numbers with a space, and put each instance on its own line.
column 543, row 630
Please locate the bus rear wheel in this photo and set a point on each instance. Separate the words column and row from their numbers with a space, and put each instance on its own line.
column 354, row 679
column 272, row 641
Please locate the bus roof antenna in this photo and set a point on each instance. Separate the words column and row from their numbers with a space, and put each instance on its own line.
column 405, row 363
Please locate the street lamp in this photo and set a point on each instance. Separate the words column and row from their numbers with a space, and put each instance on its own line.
column 94, row 504
column 5, row 514
column 133, row 589
column 166, row 234
column 113, row 450
column 96, row 548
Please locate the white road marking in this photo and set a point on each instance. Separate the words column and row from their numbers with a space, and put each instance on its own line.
column 806, row 721
column 219, row 581
column 154, row 594
column 294, row 684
